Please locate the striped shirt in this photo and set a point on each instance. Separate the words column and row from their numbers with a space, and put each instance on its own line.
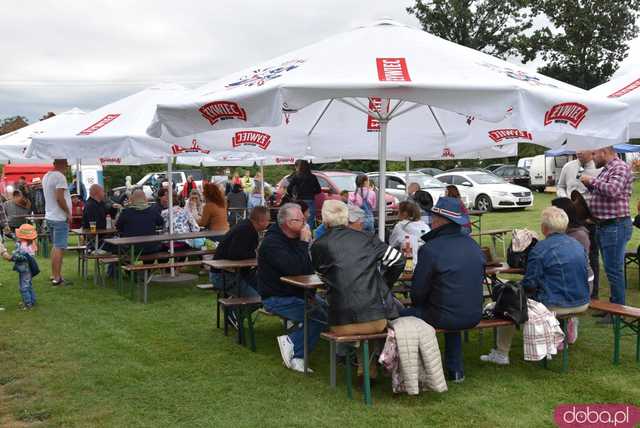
column 610, row 191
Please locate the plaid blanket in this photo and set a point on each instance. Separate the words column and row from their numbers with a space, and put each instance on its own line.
column 542, row 333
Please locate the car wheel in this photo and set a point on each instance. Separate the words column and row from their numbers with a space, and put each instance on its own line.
column 483, row 203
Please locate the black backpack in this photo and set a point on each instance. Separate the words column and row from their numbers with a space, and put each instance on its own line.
column 518, row 259
column 511, row 302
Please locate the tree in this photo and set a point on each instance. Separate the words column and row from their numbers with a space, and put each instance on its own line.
column 12, row 123
column 493, row 26
column 588, row 40
column 48, row 115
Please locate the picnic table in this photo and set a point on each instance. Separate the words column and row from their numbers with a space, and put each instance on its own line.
column 495, row 234
column 89, row 234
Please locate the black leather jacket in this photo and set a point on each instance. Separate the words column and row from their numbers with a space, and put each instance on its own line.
column 358, row 270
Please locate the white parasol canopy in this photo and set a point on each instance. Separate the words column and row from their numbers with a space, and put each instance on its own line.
column 627, row 89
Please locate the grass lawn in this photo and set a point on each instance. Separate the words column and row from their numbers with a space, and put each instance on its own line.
column 90, row 357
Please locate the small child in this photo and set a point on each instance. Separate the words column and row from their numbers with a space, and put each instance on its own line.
column 24, row 262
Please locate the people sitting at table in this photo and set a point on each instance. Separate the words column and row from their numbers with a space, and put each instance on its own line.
column 194, row 205
column 411, row 226
column 17, row 209
column 140, row 219
column 182, row 222
column 77, row 208
column 284, row 251
column 240, row 243
column 358, row 270
column 446, row 291
column 214, row 212
column 96, row 210
column 556, row 276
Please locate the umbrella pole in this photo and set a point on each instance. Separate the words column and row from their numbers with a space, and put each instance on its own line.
column 170, row 181
column 382, row 156
column 262, row 190
column 407, row 167
column 79, row 180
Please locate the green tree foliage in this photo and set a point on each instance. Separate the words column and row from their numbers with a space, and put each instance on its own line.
column 13, row 123
column 496, row 27
column 586, row 41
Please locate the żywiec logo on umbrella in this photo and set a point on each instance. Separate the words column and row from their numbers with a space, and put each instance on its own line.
column 447, row 153
column 624, row 91
column 520, row 75
column 571, row 113
column 99, row 124
column 195, row 148
column 392, row 70
column 261, row 75
column 498, row 135
column 285, row 160
column 375, row 106
column 222, row 110
column 251, row 138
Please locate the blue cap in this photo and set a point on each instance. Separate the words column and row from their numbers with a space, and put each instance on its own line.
column 451, row 209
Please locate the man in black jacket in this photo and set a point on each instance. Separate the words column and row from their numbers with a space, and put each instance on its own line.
column 240, row 243
column 96, row 210
column 284, row 252
column 447, row 282
column 140, row 219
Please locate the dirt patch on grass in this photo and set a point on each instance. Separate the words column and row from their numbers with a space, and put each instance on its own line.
column 8, row 420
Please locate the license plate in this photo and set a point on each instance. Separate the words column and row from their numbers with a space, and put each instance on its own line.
column 523, row 200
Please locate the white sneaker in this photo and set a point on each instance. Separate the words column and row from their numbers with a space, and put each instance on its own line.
column 297, row 364
column 286, row 350
column 495, row 357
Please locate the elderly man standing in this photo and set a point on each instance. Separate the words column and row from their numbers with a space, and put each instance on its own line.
column 609, row 198
column 57, row 215
column 556, row 276
column 447, row 281
column 284, row 251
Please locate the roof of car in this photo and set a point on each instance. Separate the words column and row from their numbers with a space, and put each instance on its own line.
column 336, row 173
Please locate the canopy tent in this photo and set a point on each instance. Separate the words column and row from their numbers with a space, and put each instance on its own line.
column 626, row 89
column 619, row 148
column 392, row 67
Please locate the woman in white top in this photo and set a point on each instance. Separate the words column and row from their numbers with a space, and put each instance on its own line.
column 410, row 225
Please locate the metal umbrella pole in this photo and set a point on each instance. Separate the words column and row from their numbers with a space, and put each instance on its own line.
column 170, row 181
column 262, row 176
column 407, row 167
column 382, row 156
column 79, row 179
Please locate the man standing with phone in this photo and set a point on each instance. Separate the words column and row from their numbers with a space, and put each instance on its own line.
column 57, row 215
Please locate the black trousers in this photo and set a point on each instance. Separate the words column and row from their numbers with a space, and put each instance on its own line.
column 594, row 259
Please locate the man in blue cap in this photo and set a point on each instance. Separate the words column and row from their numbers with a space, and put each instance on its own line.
column 447, row 282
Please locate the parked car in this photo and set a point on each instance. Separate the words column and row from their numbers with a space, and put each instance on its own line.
column 332, row 183
column 493, row 166
column 397, row 186
column 514, row 175
column 151, row 182
column 430, row 171
column 488, row 191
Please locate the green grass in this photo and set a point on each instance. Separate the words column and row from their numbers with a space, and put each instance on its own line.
column 91, row 357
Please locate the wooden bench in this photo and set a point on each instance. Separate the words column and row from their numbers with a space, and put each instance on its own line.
column 363, row 341
column 133, row 269
column 624, row 317
column 242, row 308
column 80, row 249
column 631, row 258
column 176, row 254
column 99, row 259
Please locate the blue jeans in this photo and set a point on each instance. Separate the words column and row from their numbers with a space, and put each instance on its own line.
column 612, row 240
column 452, row 343
column 236, row 284
column 59, row 232
column 312, row 213
column 26, row 289
column 292, row 308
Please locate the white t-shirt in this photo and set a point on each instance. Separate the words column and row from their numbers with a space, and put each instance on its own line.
column 55, row 180
column 415, row 230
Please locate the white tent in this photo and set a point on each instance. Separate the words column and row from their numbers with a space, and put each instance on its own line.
column 386, row 71
column 627, row 89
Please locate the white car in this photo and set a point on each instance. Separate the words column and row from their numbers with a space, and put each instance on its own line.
column 397, row 186
column 488, row 191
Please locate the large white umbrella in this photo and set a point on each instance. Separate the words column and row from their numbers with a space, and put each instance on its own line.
column 627, row 89
column 398, row 70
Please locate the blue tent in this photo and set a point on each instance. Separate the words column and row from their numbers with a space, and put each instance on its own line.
column 620, row 148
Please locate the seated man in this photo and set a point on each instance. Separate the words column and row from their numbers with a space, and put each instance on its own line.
column 447, row 281
column 17, row 209
column 240, row 243
column 422, row 199
column 284, row 251
column 140, row 219
column 556, row 276
column 358, row 269
column 96, row 210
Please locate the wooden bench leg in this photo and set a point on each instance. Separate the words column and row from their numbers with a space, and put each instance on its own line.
column 218, row 309
column 332, row 363
column 252, row 336
column 225, row 320
column 365, row 370
column 616, row 339
column 347, row 371
column 239, row 311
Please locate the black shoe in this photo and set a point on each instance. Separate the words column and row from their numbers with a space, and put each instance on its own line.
column 605, row 320
column 598, row 314
column 456, row 377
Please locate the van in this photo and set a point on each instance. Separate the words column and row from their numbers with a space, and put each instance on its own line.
column 525, row 163
column 545, row 171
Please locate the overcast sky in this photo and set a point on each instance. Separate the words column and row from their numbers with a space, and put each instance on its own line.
column 59, row 54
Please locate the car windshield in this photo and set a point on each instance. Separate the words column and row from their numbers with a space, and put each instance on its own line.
column 425, row 181
column 486, row 178
column 344, row 182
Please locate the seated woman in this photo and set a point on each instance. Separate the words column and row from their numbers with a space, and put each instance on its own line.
column 183, row 222
column 358, row 270
column 214, row 212
column 556, row 276
column 410, row 225
column 453, row 192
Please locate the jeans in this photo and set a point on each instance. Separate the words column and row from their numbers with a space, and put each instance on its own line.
column 26, row 289
column 59, row 232
column 312, row 213
column 235, row 284
column 292, row 308
column 612, row 240
column 452, row 343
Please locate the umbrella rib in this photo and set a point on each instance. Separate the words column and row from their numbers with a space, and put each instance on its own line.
column 357, row 107
column 324, row 110
column 406, row 110
column 433, row 113
column 393, row 110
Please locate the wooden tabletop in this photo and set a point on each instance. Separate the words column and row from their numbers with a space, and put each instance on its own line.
column 303, row 281
column 225, row 264
column 88, row 231
column 502, row 268
column 162, row 237
column 477, row 213
column 492, row 232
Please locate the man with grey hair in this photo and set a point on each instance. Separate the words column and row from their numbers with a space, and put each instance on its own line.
column 556, row 276
column 356, row 217
column 284, row 251
column 96, row 210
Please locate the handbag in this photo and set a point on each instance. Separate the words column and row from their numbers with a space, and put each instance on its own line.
column 511, row 302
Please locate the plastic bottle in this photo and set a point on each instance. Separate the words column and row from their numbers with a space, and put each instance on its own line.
column 407, row 252
column 109, row 222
